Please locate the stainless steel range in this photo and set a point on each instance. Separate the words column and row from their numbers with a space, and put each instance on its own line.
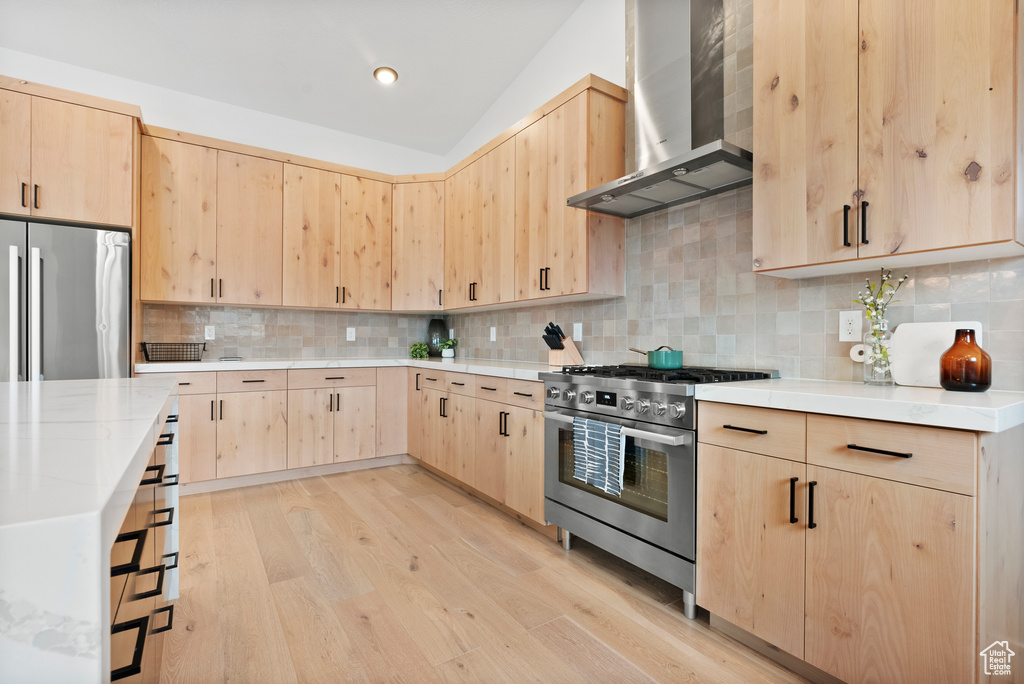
column 651, row 522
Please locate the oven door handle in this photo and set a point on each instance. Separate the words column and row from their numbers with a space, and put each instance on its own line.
column 682, row 439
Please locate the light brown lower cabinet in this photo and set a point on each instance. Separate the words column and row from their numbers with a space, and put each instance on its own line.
column 331, row 425
column 197, row 436
column 524, row 465
column 252, row 432
column 491, row 452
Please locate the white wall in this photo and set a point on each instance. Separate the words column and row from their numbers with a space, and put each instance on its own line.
column 181, row 111
column 591, row 41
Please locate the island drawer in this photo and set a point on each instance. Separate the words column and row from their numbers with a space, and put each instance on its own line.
column 311, row 378
column 772, row 432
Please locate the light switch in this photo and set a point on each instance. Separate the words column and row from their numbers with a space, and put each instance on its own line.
column 350, row 334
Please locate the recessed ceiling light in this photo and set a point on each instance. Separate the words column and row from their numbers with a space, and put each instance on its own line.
column 385, row 74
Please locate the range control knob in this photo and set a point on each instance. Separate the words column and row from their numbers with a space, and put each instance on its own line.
column 587, row 398
column 676, row 411
column 643, row 406
column 554, row 393
column 658, row 409
column 569, row 395
column 627, row 403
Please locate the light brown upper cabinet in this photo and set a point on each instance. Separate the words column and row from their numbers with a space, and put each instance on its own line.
column 480, row 231
column 312, row 228
column 249, row 229
column 64, row 161
column 365, row 244
column 561, row 250
column 882, row 128
column 417, row 247
column 179, row 221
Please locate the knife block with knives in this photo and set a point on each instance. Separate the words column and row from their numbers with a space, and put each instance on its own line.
column 563, row 351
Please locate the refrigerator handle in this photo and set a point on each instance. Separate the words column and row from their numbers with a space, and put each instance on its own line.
column 35, row 322
column 14, row 268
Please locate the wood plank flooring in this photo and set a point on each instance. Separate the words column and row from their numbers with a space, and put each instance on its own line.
column 395, row 575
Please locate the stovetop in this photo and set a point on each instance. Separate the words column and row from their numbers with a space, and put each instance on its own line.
column 632, row 392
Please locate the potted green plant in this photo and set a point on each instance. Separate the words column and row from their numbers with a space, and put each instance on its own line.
column 448, row 347
column 418, row 350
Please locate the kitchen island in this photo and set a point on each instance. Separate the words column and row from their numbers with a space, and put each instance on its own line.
column 74, row 453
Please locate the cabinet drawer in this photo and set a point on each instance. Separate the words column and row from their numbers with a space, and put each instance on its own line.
column 490, row 388
column 525, row 393
column 931, row 457
column 461, row 383
column 251, row 381
column 197, row 383
column 750, row 428
column 312, row 378
column 432, row 379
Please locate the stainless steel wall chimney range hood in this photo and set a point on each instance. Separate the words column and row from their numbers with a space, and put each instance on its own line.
column 680, row 125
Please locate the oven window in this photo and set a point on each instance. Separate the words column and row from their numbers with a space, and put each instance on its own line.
column 644, row 477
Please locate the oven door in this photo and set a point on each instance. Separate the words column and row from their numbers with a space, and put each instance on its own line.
column 658, row 501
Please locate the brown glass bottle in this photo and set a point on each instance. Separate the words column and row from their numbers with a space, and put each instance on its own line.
column 965, row 367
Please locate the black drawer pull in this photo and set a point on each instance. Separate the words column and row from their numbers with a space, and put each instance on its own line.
column 335, row 377
column 166, row 439
column 173, row 556
column 810, row 505
column 460, row 384
column 139, row 537
column 489, row 389
column 184, row 384
column 254, row 381
column 173, row 418
column 153, row 515
column 879, row 451
column 155, row 591
column 156, row 479
column 522, row 394
column 170, row 481
column 792, row 499
column 135, row 667
column 169, row 609
column 743, row 429
column 430, row 379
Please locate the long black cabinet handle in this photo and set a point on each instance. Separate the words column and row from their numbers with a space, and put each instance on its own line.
column 343, row 295
column 155, row 479
column 212, row 414
column 222, row 409
column 155, row 591
column 846, row 225
column 170, row 481
column 184, row 384
column 24, row 198
column 522, row 394
column 337, row 401
column 743, row 429
column 337, row 295
column 430, row 379
column 254, row 381
column 330, row 402
column 174, row 560
column 169, row 609
column 501, row 423
column 135, row 667
column 792, row 500
column 459, row 384
column 810, row 505
column 898, row 454
column 159, row 511
column 864, row 223
column 35, row 196
column 489, row 389
column 212, row 294
column 335, row 377
column 220, row 287
column 439, row 298
column 417, row 382
column 139, row 537
column 166, row 439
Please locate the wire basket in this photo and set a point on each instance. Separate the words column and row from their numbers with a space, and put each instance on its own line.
column 173, row 351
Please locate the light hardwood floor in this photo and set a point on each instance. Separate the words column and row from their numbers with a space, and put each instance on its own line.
column 394, row 575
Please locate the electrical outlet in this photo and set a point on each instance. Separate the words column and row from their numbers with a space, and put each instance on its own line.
column 494, row 334
column 451, row 333
column 350, row 334
column 851, row 325
column 210, row 334
column 577, row 331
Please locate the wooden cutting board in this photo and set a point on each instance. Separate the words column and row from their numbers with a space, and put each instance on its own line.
column 917, row 347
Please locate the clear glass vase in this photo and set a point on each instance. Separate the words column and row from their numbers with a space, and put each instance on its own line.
column 877, row 359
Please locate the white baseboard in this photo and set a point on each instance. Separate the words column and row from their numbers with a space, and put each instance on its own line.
column 294, row 474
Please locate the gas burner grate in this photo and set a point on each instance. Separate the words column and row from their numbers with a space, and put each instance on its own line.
column 681, row 375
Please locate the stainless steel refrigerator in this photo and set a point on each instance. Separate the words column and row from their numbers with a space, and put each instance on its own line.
column 67, row 311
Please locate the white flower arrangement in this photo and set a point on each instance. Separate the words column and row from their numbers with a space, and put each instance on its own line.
column 876, row 299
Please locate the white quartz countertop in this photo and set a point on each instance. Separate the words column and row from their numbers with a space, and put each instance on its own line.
column 519, row 370
column 991, row 411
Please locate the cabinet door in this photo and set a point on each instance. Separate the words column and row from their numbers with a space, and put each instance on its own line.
column 355, row 424
column 252, row 432
column 533, row 209
column 460, row 263
column 491, row 450
column 890, row 580
column 197, row 437
column 312, row 228
column 15, row 153
column 365, row 244
column 249, row 234
column 310, row 427
column 392, row 411
column 937, row 153
column 415, row 415
column 179, row 221
column 805, row 131
column 460, row 437
column 493, row 234
column 81, row 163
column 524, row 462
column 434, row 425
column 750, row 555
column 417, row 247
